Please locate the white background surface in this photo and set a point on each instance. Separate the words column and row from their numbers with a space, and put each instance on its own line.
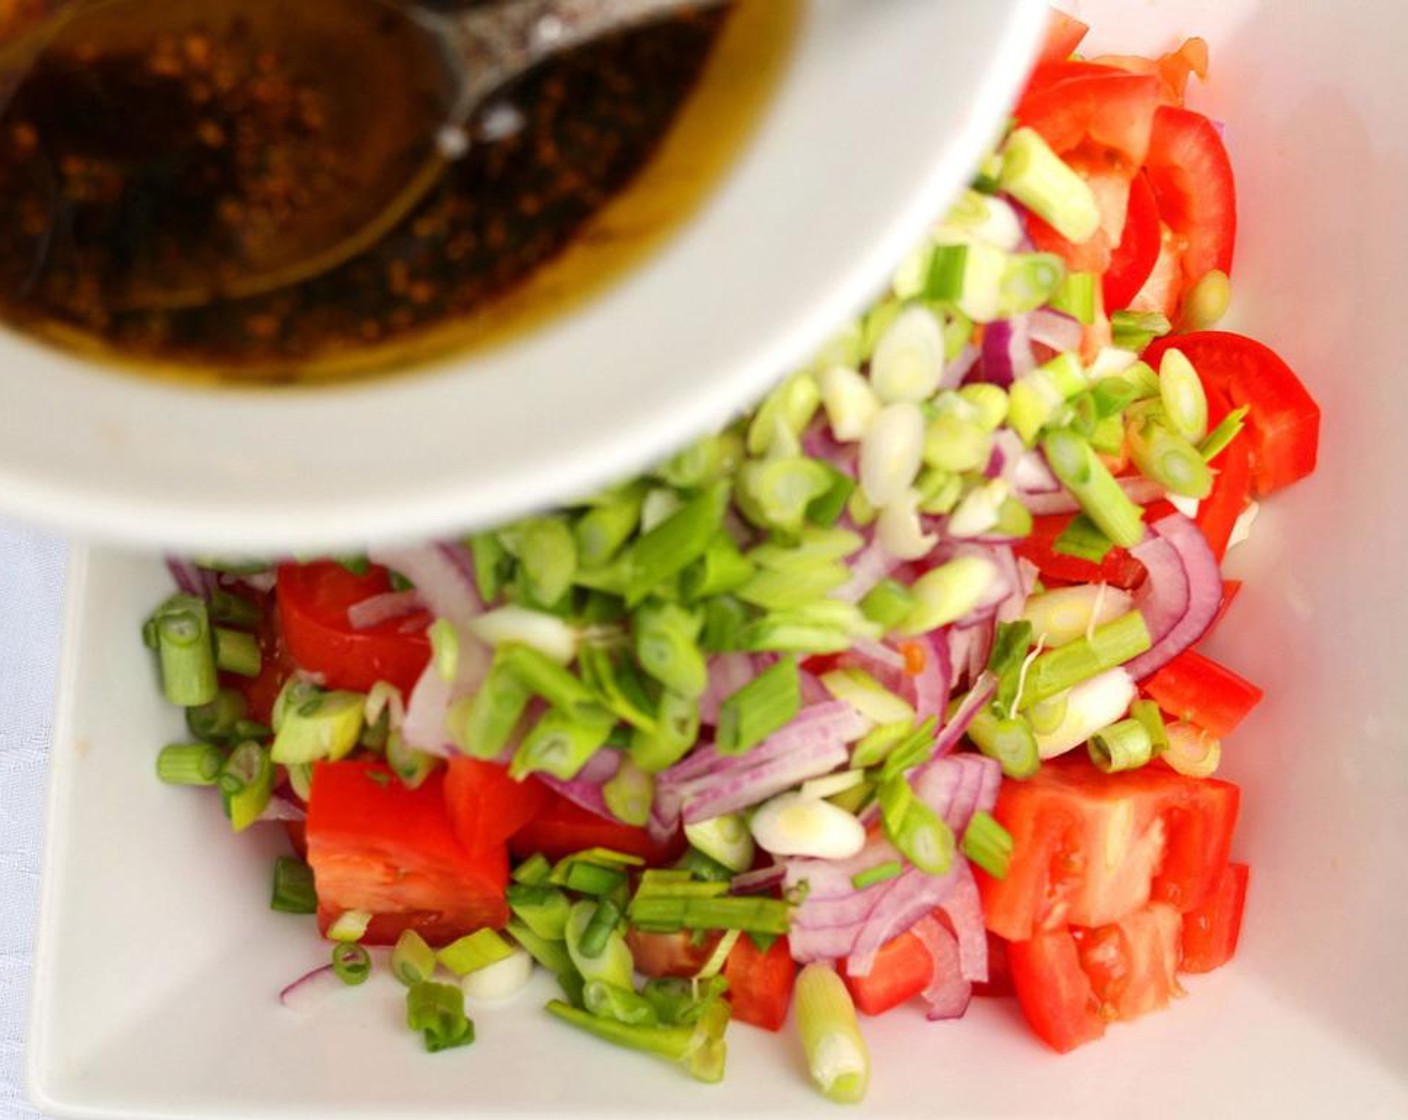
column 31, row 586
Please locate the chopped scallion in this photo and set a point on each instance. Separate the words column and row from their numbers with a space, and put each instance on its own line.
column 413, row 961
column 293, row 890
column 474, row 951
column 988, row 844
column 351, row 962
column 437, row 1012
column 189, row 764
column 765, row 704
column 837, row 1057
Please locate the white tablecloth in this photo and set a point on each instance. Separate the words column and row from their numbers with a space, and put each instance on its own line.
column 31, row 595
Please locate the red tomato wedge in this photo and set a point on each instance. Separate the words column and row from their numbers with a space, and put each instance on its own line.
column 313, row 601
column 1211, row 931
column 561, row 827
column 1196, row 688
column 1133, row 258
column 376, row 845
column 1071, row 982
column 760, row 983
column 486, row 806
column 1118, row 569
column 1053, row 990
column 1100, row 123
column 1173, row 69
column 902, row 969
column 1063, row 36
column 1191, row 175
column 1089, row 847
column 1283, row 420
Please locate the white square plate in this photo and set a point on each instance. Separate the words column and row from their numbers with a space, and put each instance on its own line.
column 158, row 963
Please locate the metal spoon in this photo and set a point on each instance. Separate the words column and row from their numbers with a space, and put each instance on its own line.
column 402, row 86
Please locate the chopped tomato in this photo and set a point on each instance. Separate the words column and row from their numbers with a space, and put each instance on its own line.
column 902, row 969
column 1137, row 249
column 1163, row 287
column 1231, row 485
column 1210, row 931
column 561, row 827
column 1071, row 982
column 680, row 954
column 275, row 667
column 378, row 846
column 1283, row 420
column 1118, row 569
column 1100, row 124
column 1063, row 36
column 313, row 601
column 1231, row 588
column 1053, row 990
column 1089, row 847
column 1191, row 176
column 1196, row 688
column 486, row 805
column 760, row 983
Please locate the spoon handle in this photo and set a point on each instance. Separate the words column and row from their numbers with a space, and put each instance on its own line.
column 497, row 42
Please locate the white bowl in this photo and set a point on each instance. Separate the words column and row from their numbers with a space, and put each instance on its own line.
column 158, row 963
column 880, row 114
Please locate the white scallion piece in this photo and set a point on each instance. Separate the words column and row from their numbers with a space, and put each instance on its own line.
column 1067, row 613
column 793, row 825
column 725, row 839
column 849, row 401
column 1090, row 706
column 546, row 633
column 908, row 362
column 980, row 508
column 890, row 452
column 899, row 530
column 501, row 980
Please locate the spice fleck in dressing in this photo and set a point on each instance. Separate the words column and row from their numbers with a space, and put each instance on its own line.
column 120, row 157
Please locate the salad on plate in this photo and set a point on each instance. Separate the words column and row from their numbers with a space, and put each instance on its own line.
column 888, row 692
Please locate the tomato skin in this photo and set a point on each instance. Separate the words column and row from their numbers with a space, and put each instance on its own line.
column 376, row 845
column 760, row 983
column 561, row 827
column 313, row 601
column 1211, row 931
column 1138, row 248
column 1191, row 176
column 1283, row 420
column 999, row 981
column 1053, row 990
column 1089, row 847
column 903, row 968
column 1118, row 569
column 1196, row 688
column 486, row 806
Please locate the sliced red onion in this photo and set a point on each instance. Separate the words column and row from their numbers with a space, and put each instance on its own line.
column 759, row 880
column 1181, row 593
column 261, row 583
column 728, row 672
column 979, row 696
column 964, row 909
column 811, row 689
column 878, row 654
column 832, row 721
column 283, row 808
column 1007, row 351
column 444, row 576
column 949, row 992
column 311, row 989
column 832, row 878
column 1031, row 475
column 818, row 442
column 928, row 690
column 868, row 567
column 729, row 791
column 968, row 650
column 1140, row 490
column 957, row 786
column 957, row 371
column 1007, row 452
column 188, row 577
column 386, row 607
column 1055, row 330
column 808, row 943
column 911, row 896
column 425, row 726
column 585, row 789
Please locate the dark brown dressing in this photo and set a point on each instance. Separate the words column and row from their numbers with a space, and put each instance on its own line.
column 120, row 154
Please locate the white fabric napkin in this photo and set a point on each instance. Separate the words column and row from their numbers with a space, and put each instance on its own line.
column 31, row 597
